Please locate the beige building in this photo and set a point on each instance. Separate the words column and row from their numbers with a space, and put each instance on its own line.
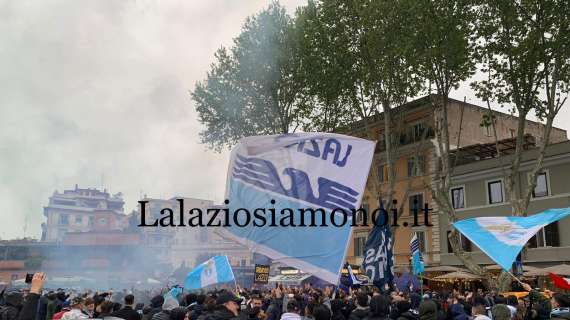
column 185, row 245
column 413, row 174
column 478, row 190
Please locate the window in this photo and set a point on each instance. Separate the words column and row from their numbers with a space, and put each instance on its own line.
column 415, row 166
column 359, row 243
column 90, row 221
column 458, row 197
column 546, row 237
column 422, row 240
column 102, row 221
column 382, row 173
column 416, row 201
column 360, row 213
column 78, row 219
column 465, row 243
column 64, row 219
column 512, row 131
column 541, row 189
column 495, row 191
column 417, row 131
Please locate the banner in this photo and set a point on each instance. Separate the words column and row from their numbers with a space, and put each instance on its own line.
column 261, row 274
column 502, row 238
column 215, row 270
column 378, row 257
column 277, row 176
column 417, row 260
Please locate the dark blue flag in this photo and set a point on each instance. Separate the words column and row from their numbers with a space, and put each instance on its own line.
column 378, row 261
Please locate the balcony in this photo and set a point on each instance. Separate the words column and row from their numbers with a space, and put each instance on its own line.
column 406, row 139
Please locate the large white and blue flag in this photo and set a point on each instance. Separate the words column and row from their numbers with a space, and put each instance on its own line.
column 502, row 238
column 317, row 171
column 216, row 270
column 417, row 259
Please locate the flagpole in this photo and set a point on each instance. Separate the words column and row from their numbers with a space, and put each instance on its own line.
column 421, row 285
column 514, row 277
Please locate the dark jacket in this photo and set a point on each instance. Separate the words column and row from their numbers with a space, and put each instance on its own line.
column 51, row 309
column 127, row 313
column 42, row 308
column 359, row 314
column 162, row 315
column 408, row 315
column 28, row 311
column 458, row 312
column 275, row 309
column 222, row 314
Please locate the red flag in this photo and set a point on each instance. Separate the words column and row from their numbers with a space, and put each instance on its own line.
column 560, row 282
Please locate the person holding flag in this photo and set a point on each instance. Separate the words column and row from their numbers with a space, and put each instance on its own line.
column 417, row 260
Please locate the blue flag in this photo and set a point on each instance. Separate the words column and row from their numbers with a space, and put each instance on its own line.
column 215, row 270
column 502, row 238
column 417, row 260
column 292, row 180
column 378, row 256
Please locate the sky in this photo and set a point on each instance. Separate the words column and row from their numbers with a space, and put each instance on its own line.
column 96, row 93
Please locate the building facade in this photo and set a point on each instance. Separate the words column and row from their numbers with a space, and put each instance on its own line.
column 478, row 190
column 413, row 128
column 76, row 210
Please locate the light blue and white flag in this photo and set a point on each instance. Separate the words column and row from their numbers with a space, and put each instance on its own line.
column 318, row 171
column 216, row 270
column 502, row 238
column 352, row 278
column 417, row 260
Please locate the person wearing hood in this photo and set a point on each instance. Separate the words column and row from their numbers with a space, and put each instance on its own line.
column 362, row 308
column 169, row 304
column 405, row 312
column 18, row 308
column 379, row 308
column 560, row 307
column 155, row 307
column 293, row 311
column 13, row 303
column 427, row 310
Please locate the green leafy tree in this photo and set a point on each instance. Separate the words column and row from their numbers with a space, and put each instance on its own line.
column 253, row 87
column 525, row 51
column 361, row 63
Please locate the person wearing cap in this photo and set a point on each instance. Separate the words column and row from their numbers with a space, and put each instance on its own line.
column 76, row 311
column 227, row 307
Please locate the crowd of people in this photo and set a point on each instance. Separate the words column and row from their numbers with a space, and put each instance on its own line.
column 279, row 303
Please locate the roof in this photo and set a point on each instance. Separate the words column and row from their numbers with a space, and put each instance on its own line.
column 555, row 150
column 424, row 101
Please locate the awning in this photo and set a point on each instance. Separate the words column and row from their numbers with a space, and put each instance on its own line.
column 290, row 278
